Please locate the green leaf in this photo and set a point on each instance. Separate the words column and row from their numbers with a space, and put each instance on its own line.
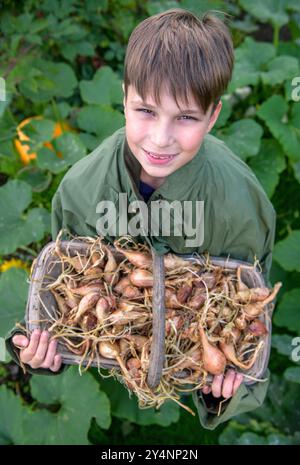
column 13, row 298
column 54, row 80
column 72, row 392
column 89, row 141
column 292, row 374
column 33, row 426
column 243, row 137
column 38, row 180
column 281, row 440
column 48, row 160
column 195, row 6
column 293, row 5
column 274, row 113
column 287, row 311
column 283, row 343
column 11, row 417
column 153, row 8
column 246, row 25
column 287, row 252
column 105, row 88
column 268, row 165
column 70, row 146
column 280, row 69
column 17, row 228
column 38, row 131
column 101, row 120
column 63, row 109
column 281, row 408
column 251, row 439
column 272, row 11
column 250, row 59
column 71, row 50
column 125, row 406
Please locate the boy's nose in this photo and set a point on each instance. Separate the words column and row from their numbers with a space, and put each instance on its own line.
column 162, row 139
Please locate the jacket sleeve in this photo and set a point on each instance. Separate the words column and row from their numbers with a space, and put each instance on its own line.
column 58, row 220
column 56, row 225
column 56, row 215
column 247, row 398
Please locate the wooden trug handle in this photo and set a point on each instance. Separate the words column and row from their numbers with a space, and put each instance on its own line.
column 157, row 355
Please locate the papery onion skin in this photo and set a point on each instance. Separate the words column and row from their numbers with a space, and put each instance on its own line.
column 86, row 303
column 141, row 278
column 214, row 361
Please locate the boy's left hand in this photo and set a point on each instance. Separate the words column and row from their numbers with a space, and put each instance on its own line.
column 225, row 386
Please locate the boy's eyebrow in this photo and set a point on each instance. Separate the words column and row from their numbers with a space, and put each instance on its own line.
column 153, row 108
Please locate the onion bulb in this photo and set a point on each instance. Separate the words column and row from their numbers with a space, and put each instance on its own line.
column 229, row 352
column 111, row 275
column 102, row 309
column 112, row 351
column 122, row 284
column 171, row 261
column 87, row 302
column 258, row 328
column 214, row 361
column 141, row 278
column 138, row 259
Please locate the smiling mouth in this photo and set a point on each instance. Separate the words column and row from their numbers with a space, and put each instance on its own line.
column 160, row 157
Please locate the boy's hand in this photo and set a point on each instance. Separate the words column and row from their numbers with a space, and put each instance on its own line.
column 38, row 352
column 224, row 386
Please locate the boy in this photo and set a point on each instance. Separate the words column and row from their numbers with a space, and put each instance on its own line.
column 176, row 68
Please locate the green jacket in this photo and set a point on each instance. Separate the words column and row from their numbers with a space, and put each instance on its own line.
column 239, row 221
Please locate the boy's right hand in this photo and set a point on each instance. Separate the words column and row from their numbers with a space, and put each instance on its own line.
column 38, row 352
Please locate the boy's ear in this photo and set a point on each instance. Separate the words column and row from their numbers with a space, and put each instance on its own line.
column 123, row 87
column 214, row 116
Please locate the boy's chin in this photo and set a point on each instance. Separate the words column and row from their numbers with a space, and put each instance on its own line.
column 159, row 172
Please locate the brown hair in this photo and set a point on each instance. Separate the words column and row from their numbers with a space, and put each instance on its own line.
column 182, row 51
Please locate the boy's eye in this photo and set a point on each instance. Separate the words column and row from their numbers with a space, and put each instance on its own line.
column 145, row 110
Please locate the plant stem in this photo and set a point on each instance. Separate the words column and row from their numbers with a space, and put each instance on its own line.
column 56, row 112
column 29, row 250
column 276, row 36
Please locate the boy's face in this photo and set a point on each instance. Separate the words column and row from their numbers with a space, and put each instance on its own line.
column 173, row 137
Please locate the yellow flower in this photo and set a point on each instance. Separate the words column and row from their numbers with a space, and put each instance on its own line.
column 13, row 263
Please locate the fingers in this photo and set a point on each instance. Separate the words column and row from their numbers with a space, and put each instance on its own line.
column 216, row 386
column 49, row 358
column 228, row 383
column 226, row 386
column 20, row 341
column 57, row 363
column 39, row 352
column 238, row 381
column 27, row 354
column 206, row 389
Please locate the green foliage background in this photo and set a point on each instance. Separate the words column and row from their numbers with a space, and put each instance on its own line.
column 63, row 59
